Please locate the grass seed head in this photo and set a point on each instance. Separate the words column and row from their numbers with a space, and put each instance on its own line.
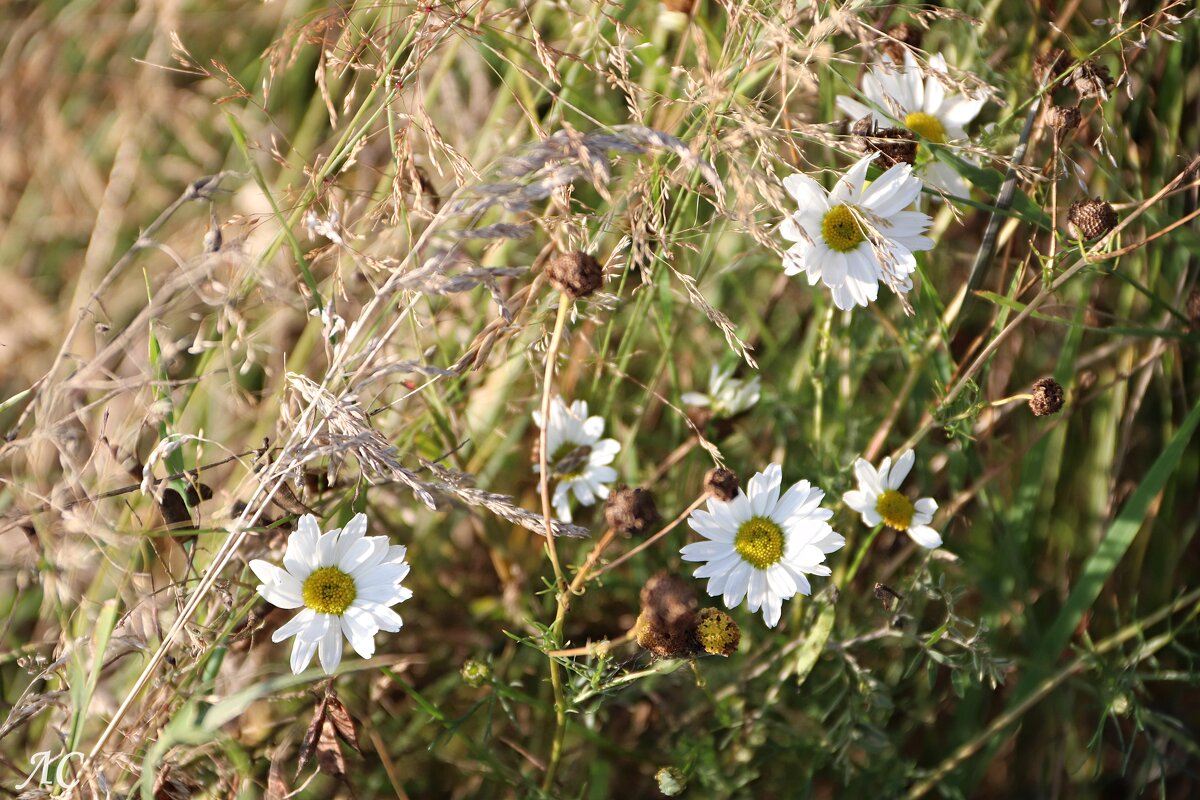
column 576, row 274
column 721, row 483
column 1047, row 398
column 630, row 511
column 1091, row 219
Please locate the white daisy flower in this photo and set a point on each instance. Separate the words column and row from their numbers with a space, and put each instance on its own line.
column 346, row 583
column 576, row 455
column 856, row 235
column 760, row 546
column 727, row 396
column 904, row 96
column 878, row 499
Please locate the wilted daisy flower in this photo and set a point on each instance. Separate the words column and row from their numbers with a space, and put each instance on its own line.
column 727, row 396
column 346, row 583
column 576, row 455
column 878, row 499
column 856, row 235
column 921, row 103
column 760, row 546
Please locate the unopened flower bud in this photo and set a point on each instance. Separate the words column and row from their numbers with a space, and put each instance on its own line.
column 671, row 781
column 717, row 633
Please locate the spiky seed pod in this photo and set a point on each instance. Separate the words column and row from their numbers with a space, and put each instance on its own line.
column 1049, row 66
column 1193, row 310
column 1090, row 219
column 667, row 624
column 717, row 633
column 576, row 274
column 894, row 145
column 1091, row 79
column 630, row 511
column 721, row 483
column 1047, row 398
column 899, row 36
column 1063, row 118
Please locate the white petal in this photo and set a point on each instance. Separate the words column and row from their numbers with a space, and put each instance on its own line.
column 772, row 610
column 900, row 471
column 806, row 192
column 294, row 625
column 359, row 628
column 302, row 653
column 925, row 536
column 763, row 489
column 288, row 593
column 736, row 584
column 868, row 478
column 330, row 649
column 926, row 505
column 849, row 188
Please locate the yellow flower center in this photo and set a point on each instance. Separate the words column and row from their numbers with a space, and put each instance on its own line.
column 717, row 633
column 329, row 591
column 759, row 542
column 841, row 229
column 926, row 126
column 896, row 509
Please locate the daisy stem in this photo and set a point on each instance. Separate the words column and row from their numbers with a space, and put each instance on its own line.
column 858, row 557
column 560, row 703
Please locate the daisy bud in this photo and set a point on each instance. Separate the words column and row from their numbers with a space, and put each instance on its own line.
column 717, row 633
column 1049, row 66
column 1090, row 219
column 575, row 274
column 671, row 781
column 475, row 673
column 1091, row 79
column 721, row 483
column 630, row 511
column 1047, row 397
column 1063, row 118
column 899, row 36
column 667, row 623
column 894, row 145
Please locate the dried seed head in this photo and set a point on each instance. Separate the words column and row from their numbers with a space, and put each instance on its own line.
column 1090, row 219
column 721, row 483
column 863, row 127
column 1193, row 309
column 894, row 145
column 576, row 274
column 630, row 511
column 1047, row 398
column 667, row 623
column 1049, row 66
column 1091, row 79
column 1063, row 118
column 717, row 633
column 899, row 36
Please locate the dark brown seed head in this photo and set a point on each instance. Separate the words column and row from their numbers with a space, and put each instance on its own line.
column 630, row 511
column 863, row 127
column 1090, row 219
column 667, row 624
column 1091, row 79
column 1063, row 118
column 721, row 483
column 899, row 36
column 894, row 145
column 576, row 274
column 1047, row 398
column 1193, row 310
column 1049, row 66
